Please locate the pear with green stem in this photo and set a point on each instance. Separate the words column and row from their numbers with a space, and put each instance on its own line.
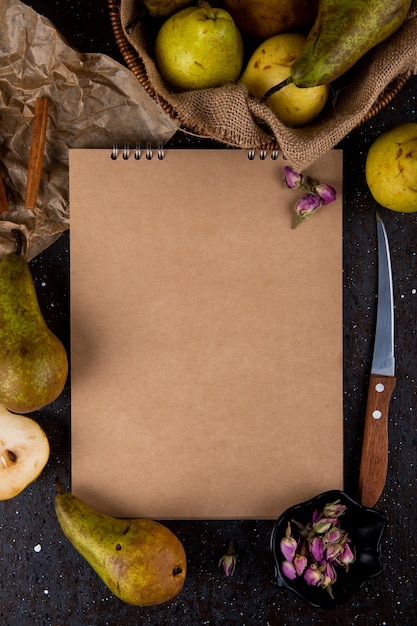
column 343, row 32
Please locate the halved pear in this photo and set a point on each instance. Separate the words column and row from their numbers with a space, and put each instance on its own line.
column 24, row 452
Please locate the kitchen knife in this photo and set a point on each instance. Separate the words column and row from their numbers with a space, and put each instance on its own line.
column 374, row 459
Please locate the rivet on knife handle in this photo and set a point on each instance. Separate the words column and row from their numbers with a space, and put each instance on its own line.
column 374, row 462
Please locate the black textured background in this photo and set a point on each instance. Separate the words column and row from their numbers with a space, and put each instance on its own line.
column 43, row 580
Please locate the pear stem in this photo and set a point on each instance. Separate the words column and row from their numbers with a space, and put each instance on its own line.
column 59, row 487
column 276, row 88
column 203, row 4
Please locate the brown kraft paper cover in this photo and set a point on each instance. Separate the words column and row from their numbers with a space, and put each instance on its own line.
column 206, row 335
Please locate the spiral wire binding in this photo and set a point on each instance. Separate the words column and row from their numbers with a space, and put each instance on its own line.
column 126, row 153
column 138, row 152
column 263, row 154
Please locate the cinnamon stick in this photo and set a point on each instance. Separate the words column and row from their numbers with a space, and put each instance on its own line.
column 36, row 152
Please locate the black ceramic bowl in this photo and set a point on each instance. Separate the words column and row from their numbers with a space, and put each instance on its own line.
column 364, row 526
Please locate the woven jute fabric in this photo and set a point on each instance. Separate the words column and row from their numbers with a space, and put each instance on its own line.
column 231, row 116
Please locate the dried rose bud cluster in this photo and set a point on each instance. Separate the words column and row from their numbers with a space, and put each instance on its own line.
column 319, row 194
column 322, row 546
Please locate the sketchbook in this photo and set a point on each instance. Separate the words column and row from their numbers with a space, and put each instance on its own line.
column 206, row 334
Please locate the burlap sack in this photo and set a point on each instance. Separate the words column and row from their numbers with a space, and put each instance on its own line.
column 230, row 116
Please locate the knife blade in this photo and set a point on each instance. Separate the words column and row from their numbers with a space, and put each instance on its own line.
column 374, row 457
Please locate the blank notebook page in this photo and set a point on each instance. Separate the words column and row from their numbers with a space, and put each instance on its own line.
column 206, row 358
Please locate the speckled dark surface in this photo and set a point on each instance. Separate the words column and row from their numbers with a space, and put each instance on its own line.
column 43, row 581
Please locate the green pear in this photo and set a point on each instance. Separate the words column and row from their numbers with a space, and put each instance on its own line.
column 343, row 32
column 33, row 362
column 24, row 452
column 199, row 48
column 141, row 561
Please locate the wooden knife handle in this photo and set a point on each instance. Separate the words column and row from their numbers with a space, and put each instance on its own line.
column 374, row 460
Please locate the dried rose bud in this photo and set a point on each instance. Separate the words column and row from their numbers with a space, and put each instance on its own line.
column 317, row 549
column 334, row 509
column 334, row 535
column 347, row 555
column 323, row 524
column 228, row 560
column 300, row 563
column 305, row 208
column 307, row 203
column 328, row 577
column 312, row 575
column 288, row 569
column 326, row 193
column 333, row 551
column 288, row 544
column 292, row 179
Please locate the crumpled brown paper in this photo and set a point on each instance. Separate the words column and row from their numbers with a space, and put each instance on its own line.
column 94, row 102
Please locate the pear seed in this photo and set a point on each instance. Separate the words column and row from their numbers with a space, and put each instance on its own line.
column 7, row 458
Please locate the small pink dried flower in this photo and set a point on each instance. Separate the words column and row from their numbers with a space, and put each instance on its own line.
column 289, row 570
column 326, row 193
column 228, row 560
column 292, row 179
column 288, row 545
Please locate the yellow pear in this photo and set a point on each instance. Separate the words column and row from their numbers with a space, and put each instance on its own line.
column 199, row 48
column 391, row 168
column 270, row 65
